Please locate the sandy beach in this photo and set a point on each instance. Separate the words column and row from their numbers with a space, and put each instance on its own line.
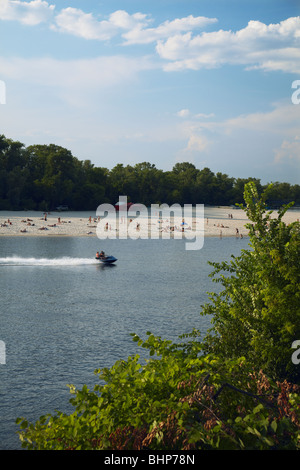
column 228, row 223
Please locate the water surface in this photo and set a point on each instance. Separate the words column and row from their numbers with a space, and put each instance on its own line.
column 62, row 315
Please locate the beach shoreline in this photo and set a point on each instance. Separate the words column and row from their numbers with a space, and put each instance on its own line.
column 225, row 223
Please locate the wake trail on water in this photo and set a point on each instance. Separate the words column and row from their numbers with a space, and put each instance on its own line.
column 65, row 261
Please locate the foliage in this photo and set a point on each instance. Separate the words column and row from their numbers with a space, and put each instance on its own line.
column 257, row 314
column 42, row 177
column 178, row 399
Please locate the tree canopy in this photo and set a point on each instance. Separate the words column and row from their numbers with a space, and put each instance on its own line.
column 42, row 177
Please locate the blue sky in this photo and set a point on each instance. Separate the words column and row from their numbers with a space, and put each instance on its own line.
column 204, row 81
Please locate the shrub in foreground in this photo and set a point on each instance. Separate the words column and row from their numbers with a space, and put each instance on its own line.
column 178, row 399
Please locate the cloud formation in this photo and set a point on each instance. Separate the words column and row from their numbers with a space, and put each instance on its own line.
column 140, row 35
column 269, row 47
column 30, row 13
column 134, row 29
column 279, row 127
column 289, row 151
column 273, row 47
column 77, row 22
column 83, row 75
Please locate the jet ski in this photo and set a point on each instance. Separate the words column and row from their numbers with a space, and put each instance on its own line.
column 105, row 259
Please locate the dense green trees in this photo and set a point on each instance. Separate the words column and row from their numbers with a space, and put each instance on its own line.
column 41, row 177
column 238, row 388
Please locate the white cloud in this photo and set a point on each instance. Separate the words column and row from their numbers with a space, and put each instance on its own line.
column 273, row 47
column 138, row 35
column 80, row 76
column 183, row 113
column 270, row 47
column 283, row 119
column 271, row 136
column 30, row 13
column 133, row 28
column 122, row 19
column 204, row 116
column 75, row 21
column 196, row 143
column 289, row 151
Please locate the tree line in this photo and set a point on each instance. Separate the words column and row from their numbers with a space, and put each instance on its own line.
column 42, row 177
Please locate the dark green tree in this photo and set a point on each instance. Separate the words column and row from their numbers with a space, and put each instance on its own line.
column 43, row 176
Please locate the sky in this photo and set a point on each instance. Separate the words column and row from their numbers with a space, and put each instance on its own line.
column 212, row 82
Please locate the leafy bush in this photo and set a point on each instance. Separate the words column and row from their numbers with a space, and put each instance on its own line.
column 180, row 399
column 257, row 314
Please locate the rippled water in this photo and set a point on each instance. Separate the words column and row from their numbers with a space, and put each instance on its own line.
column 62, row 315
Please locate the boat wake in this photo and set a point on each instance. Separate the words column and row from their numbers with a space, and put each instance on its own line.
column 65, row 261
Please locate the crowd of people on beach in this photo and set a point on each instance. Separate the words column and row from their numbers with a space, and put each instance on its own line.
column 162, row 225
column 56, row 225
